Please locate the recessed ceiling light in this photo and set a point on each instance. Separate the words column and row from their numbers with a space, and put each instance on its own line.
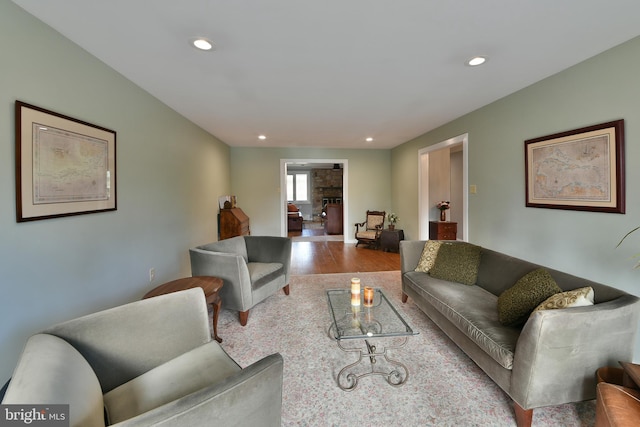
column 202, row 43
column 262, row 137
column 476, row 60
column 369, row 139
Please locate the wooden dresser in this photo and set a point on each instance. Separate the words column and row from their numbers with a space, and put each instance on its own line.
column 443, row 230
column 233, row 222
column 333, row 221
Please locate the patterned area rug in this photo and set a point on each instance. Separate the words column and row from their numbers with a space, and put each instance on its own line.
column 445, row 388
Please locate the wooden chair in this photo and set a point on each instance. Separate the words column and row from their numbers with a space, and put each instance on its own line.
column 368, row 232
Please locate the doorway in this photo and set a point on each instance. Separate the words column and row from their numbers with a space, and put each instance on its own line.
column 447, row 179
column 310, row 164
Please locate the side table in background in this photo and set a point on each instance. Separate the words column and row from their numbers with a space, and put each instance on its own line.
column 443, row 230
column 390, row 240
column 210, row 285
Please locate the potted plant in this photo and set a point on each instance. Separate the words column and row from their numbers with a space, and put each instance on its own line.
column 622, row 240
column 443, row 206
column 392, row 218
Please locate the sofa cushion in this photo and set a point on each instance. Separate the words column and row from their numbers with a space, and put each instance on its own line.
column 52, row 371
column 516, row 303
column 472, row 310
column 187, row 373
column 457, row 262
column 428, row 256
column 577, row 298
column 261, row 273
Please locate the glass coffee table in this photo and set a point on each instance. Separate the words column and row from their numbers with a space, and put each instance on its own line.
column 355, row 324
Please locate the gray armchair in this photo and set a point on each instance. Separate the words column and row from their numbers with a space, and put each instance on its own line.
column 252, row 268
column 150, row 362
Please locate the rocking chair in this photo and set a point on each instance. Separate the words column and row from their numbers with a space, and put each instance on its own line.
column 368, row 232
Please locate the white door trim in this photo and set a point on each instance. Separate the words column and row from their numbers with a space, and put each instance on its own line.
column 283, row 190
column 423, row 185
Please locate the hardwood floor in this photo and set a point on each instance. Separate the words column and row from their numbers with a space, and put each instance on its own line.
column 322, row 257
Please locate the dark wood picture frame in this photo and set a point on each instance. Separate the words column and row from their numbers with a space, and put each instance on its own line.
column 581, row 169
column 64, row 166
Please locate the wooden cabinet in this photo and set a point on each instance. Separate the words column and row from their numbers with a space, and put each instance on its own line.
column 233, row 222
column 443, row 230
column 390, row 240
column 333, row 221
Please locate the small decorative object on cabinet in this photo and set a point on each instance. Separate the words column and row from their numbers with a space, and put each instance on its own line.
column 392, row 217
column 443, row 206
column 441, row 230
column 233, row 222
column 390, row 240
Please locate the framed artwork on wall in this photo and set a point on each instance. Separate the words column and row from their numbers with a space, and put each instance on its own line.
column 64, row 166
column 581, row 169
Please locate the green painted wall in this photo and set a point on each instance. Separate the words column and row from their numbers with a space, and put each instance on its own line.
column 170, row 173
column 601, row 89
column 255, row 180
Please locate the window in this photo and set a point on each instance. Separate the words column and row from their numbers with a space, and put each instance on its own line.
column 298, row 186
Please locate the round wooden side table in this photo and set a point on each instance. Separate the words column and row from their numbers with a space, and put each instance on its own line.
column 211, row 287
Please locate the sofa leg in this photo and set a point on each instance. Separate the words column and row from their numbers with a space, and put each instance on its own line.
column 286, row 290
column 244, row 316
column 523, row 416
column 405, row 297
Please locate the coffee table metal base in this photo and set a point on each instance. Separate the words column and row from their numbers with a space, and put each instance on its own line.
column 396, row 373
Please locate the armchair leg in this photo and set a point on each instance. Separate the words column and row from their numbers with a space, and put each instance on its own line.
column 523, row 416
column 286, row 290
column 244, row 317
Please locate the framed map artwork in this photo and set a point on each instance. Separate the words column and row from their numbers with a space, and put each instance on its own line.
column 582, row 169
column 64, row 166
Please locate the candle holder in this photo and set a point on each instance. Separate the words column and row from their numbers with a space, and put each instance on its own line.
column 368, row 296
column 355, row 292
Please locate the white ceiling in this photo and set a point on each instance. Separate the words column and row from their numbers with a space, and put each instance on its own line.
column 329, row 73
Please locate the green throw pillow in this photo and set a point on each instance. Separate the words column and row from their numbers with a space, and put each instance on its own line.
column 428, row 257
column 516, row 303
column 457, row 262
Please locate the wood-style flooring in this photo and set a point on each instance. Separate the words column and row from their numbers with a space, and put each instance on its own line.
column 323, row 257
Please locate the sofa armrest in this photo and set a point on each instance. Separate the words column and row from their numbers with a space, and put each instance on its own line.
column 558, row 351
column 123, row 342
column 253, row 396
column 232, row 269
column 410, row 251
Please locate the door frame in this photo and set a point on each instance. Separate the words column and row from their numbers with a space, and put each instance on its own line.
column 283, row 190
column 423, row 185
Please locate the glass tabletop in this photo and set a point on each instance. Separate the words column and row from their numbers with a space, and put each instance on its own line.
column 380, row 319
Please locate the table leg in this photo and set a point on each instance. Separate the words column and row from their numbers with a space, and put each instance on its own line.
column 396, row 375
column 216, row 305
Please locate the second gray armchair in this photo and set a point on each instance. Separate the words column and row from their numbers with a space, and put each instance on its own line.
column 252, row 268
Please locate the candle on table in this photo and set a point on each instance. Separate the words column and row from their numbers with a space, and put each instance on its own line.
column 355, row 291
column 368, row 296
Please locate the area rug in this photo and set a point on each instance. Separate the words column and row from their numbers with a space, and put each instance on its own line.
column 445, row 388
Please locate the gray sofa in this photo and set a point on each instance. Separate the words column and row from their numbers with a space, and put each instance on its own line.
column 150, row 362
column 549, row 360
column 252, row 268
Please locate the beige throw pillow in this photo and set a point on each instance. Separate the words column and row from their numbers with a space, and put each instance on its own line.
column 516, row 303
column 428, row 257
column 576, row 298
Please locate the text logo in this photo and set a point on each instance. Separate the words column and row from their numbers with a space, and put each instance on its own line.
column 34, row 415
